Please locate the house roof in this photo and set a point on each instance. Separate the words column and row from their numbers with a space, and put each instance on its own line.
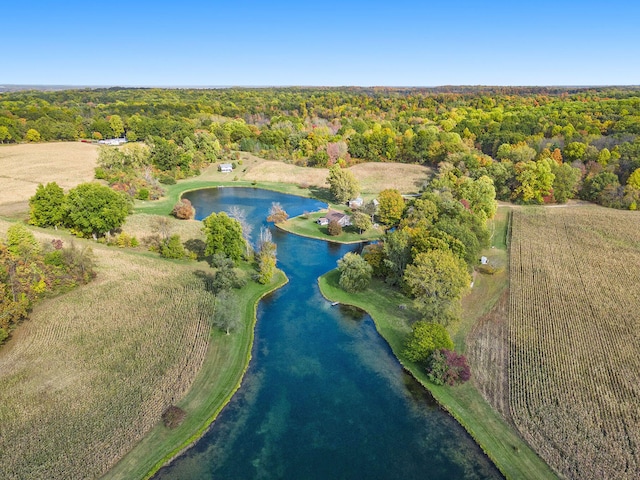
column 335, row 215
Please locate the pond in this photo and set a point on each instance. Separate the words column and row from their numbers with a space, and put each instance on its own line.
column 324, row 397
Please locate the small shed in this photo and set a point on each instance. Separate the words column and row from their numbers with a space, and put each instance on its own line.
column 356, row 202
column 225, row 167
column 484, row 260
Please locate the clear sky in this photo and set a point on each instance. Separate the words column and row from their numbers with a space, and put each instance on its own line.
column 320, row 42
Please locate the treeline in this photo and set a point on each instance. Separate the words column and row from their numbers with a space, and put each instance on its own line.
column 514, row 135
column 30, row 270
column 432, row 244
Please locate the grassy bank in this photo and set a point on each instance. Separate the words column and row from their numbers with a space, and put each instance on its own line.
column 174, row 192
column 498, row 439
column 307, row 226
column 221, row 375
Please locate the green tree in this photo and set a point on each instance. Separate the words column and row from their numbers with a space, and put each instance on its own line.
column 574, row 151
column 226, row 276
column 594, row 186
column 361, row 221
column 391, row 207
column 342, row 184
column 266, row 256
column 224, row 235
column 334, row 228
column 534, row 179
column 4, row 135
column 116, row 124
column 94, row 209
column 565, row 181
column 480, row 194
column 396, row 250
column 634, row 179
column 172, row 248
column 226, row 314
column 21, row 242
column 47, row 206
column 355, row 272
column 32, row 135
column 424, row 339
column 165, row 154
column 436, row 279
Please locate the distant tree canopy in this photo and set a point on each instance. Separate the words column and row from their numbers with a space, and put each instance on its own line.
column 478, row 130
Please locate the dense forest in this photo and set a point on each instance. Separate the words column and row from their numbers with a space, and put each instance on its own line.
column 537, row 144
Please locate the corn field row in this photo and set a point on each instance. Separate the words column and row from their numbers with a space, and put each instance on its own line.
column 574, row 334
column 93, row 370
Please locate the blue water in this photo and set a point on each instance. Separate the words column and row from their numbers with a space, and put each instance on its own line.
column 324, row 398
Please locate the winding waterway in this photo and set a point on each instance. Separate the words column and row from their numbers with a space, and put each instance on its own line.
column 324, row 397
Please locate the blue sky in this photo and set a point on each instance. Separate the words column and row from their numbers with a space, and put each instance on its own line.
column 333, row 43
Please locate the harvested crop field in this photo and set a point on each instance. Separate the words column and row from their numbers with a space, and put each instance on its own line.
column 574, row 372
column 92, row 371
column 23, row 167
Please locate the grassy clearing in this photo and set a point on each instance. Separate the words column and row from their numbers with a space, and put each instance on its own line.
column 373, row 177
column 308, row 227
column 23, row 167
column 85, row 379
column 574, row 317
column 492, row 432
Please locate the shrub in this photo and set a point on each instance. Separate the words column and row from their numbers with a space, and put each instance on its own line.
column 183, row 210
column 173, row 416
column 143, row 194
column 446, row 366
column 167, row 179
column 3, row 335
column 334, row 228
column 172, row 248
column 101, row 173
column 123, row 240
column 426, row 338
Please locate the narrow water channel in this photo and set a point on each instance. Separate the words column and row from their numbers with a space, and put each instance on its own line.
column 324, row 397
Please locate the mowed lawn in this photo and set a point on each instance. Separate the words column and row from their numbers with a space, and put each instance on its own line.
column 23, row 167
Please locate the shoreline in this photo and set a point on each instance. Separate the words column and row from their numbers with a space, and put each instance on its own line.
column 511, row 455
column 120, row 470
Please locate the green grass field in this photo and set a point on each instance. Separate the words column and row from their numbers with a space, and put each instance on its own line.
column 308, row 227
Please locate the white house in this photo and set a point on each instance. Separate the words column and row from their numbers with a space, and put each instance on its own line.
column 225, row 168
column 342, row 219
column 484, row 260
